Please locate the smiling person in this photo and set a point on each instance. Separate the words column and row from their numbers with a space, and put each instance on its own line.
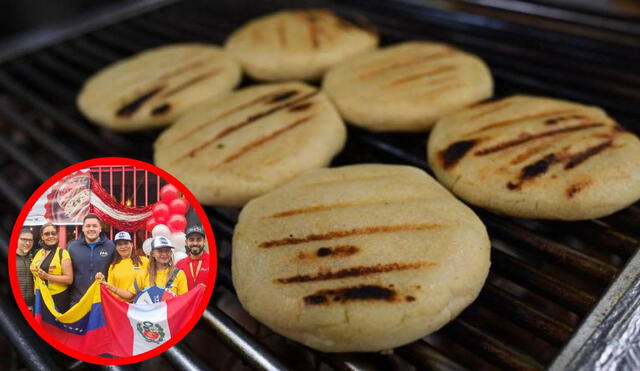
column 23, row 262
column 53, row 265
column 125, row 267
column 91, row 253
column 161, row 271
column 196, row 265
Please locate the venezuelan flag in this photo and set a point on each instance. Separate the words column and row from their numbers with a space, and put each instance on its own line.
column 82, row 327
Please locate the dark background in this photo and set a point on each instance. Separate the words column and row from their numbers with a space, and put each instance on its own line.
column 22, row 16
column 18, row 17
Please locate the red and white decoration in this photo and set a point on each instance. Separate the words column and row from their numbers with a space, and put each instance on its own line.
column 68, row 201
column 120, row 217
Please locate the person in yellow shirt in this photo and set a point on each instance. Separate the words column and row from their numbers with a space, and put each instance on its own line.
column 53, row 265
column 125, row 267
column 161, row 271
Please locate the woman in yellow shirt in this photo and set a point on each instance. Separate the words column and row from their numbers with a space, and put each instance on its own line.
column 125, row 266
column 161, row 271
column 53, row 265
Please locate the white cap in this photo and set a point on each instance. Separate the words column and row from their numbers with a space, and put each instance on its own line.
column 122, row 236
column 159, row 242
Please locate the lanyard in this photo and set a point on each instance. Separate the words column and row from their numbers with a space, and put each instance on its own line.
column 197, row 270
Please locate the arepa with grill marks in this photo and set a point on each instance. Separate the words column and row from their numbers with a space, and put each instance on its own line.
column 358, row 258
column 299, row 44
column 536, row 157
column 154, row 87
column 251, row 141
column 407, row 86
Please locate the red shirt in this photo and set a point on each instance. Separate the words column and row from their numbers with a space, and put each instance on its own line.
column 197, row 270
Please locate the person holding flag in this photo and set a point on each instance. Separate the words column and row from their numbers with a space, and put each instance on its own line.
column 125, row 267
column 161, row 271
column 196, row 265
column 102, row 324
column 53, row 265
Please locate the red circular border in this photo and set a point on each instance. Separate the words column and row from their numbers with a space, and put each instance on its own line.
column 119, row 161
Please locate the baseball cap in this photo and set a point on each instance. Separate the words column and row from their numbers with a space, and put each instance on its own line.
column 195, row 229
column 122, row 236
column 160, row 241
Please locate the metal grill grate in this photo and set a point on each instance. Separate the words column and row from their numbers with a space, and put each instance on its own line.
column 545, row 277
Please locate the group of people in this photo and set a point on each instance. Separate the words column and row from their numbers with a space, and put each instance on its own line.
column 69, row 272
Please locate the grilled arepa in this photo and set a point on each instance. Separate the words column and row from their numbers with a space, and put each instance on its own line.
column 408, row 86
column 536, row 157
column 358, row 258
column 154, row 87
column 251, row 141
column 297, row 44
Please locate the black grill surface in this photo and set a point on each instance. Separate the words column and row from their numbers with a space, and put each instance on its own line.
column 546, row 277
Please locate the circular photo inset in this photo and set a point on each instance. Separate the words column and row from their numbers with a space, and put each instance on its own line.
column 112, row 261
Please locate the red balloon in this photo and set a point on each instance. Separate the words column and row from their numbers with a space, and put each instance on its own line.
column 160, row 210
column 151, row 222
column 162, row 220
column 179, row 206
column 168, row 193
column 177, row 223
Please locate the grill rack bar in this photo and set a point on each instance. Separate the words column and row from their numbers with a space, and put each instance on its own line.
column 67, row 74
column 569, row 257
column 12, row 193
column 181, row 357
column 563, row 12
column 600, row 234
column 530, row 318
column 32, row 352
column 493, row 349
column 253, row 352
column 46, row 109
column 539, row 281
column 65, row 30
column 22, row 159
column 54, row 90
column 425, row 356
column 49, row 143
column 115, row 368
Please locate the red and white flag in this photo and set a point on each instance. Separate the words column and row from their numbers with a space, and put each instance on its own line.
column 138, row 328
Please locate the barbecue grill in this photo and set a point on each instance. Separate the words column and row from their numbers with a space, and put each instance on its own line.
column 562, row 295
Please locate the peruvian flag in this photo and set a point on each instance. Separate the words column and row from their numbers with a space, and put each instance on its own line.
column 138, row 328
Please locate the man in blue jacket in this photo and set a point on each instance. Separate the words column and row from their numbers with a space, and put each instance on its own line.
column 91, row 253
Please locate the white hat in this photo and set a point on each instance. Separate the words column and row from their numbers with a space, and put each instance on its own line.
column 120, row 236
column 160, row 242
